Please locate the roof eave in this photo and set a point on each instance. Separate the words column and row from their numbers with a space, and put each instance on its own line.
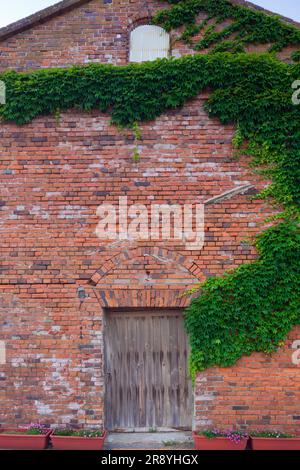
column 40, row 17
column 66, row 5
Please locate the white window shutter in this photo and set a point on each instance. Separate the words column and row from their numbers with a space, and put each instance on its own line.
column 148, row 42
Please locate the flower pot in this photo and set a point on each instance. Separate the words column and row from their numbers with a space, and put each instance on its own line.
column 275, row 443
column 217, row 443
column 20, row 441
column 77, row 443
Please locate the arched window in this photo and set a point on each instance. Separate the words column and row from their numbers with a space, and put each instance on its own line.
column 148, row 42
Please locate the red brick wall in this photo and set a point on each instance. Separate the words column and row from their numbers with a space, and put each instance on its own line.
column 95, row 32
column 259, row 392
column 57, row 276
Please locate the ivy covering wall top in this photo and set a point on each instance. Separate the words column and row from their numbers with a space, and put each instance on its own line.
column 241, row 25
column 254, row 307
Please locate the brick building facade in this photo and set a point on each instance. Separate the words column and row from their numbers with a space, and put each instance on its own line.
column 58, row 278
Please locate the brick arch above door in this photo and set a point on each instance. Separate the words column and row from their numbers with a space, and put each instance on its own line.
column 159, row 254
column 159, row 294
column 141, row 298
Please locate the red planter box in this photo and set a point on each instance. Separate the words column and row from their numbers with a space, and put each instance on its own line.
column 77, row 443
column 273, row 443
column 217, row 443
column 23, row 441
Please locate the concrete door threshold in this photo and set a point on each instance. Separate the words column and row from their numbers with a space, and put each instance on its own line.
column 149, row 440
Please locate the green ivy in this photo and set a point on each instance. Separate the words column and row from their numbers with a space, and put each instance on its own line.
column 254, row 307
column 248, row 26
column 296, row 56
column 251, row 309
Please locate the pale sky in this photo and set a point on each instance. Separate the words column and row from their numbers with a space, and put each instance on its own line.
column 13, row 10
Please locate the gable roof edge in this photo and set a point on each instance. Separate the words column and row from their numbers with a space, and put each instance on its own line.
column 67, row 5
column 39, row 17
column 252, row 6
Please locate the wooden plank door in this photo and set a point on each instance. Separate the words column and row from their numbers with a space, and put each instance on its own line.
column 146, row 374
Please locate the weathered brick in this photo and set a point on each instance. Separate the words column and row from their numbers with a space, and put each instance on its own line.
column 51, row 176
